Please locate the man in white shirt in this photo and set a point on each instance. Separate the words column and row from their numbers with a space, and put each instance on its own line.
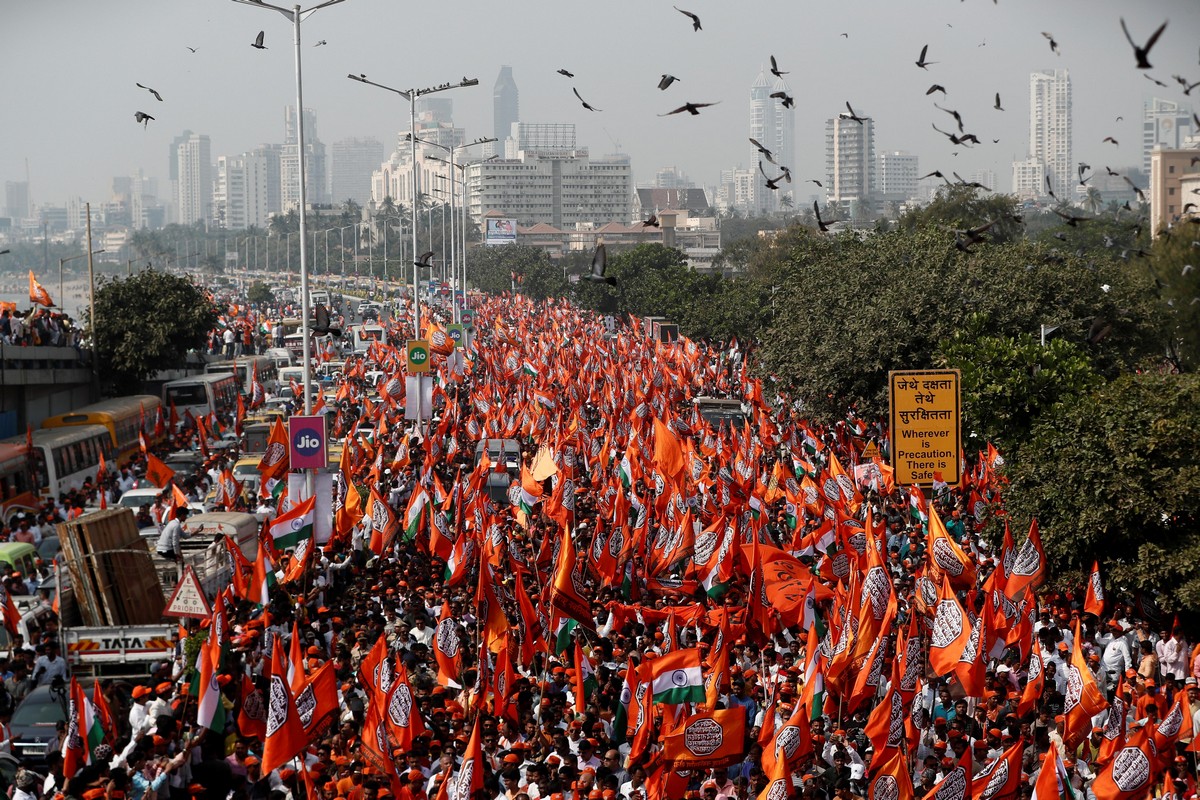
column 50, row 666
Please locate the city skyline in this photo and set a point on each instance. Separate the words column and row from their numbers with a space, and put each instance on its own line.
column 233, row 94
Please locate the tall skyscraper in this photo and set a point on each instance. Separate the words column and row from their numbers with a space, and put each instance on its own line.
column 316, row 188
column 1165, row 123
column 775, row 129
column 353, row 162
column 240, row 197
column 850, row 164
column 16, row 199
column 506, row 107
column 193, row 185
column 1050, row 128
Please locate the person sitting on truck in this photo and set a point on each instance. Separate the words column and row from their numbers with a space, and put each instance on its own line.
column 172, row 532
column 50, row 666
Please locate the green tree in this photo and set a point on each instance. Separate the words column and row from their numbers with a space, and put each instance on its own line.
column 260, row 294
column 1009, row 382
column 490, row 269
column 1175, row 265
column 960, row 206
column 1114, row 476
column 146, row 323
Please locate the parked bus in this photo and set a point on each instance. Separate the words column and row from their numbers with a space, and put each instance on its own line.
column 18, row 482
column 202, row 394
column 124, row 417
column 63, row 458
column 245, row 371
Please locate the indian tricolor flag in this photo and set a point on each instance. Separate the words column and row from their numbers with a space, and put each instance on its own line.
column 529, row 369
column 263, row 577
column 676, row 677
column 418, row 509
column 531, row 492
column 84, row 731
column 290, row 529
column 210, row 713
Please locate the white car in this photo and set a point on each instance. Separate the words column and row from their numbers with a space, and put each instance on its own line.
column 136, row 498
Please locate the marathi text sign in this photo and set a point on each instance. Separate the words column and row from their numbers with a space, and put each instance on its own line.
column 926, row 425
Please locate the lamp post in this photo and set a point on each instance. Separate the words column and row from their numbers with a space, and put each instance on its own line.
column 62, row 295
column 462, row 227
column 295, row 15
column 411, row 96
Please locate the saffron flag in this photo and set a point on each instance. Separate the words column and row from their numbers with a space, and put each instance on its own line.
column 1084, row 699
column 157, row 472
column 39, row 295
column 1094, row 601
column 706, row 740
column 285, row 732
column 83, row 731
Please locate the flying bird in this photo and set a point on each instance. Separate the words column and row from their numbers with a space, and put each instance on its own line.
column 1155, row 81
column 691, row 108
column 764, row 151
column 1112, row 173
column 1071, row 219
column 565, row 72
column 1140, row 194
column 954, row 139
column 1142, row 54
column 652, row 222
column 953, row 113
column 423, row 260
column 157, row 96
column 666, row 81
column 817, row 182
column 937, row 87
column 143, row 118
column 1050, row 189
column 998, row 107
column 191, row 48
column 970, row 185
column 845, row 36
column 852, row 115
column 963, row 239
column 921, row 62
column 318, row 44
column 258, row 41
column 935, row 174
column 1053, row 44
column 695, row 19
column 586, row 105
column 772, row 183
column 1111, row 139
column 822, row 224
column 599, row 265
column 321, row 318
column 775, row 70
column 785, row 98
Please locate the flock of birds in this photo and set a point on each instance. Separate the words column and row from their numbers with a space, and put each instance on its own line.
column 964, row 239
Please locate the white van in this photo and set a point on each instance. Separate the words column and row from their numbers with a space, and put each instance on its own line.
column 365, row 334
column 280, row 356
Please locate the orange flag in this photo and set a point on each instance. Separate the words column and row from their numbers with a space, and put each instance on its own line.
column 668, row 455
column 1029, row 567
column 38, row 293
column 447, row 648
column 1093, row 603
column 890, row 777
column 1084, row 699
column 285, row 732
column 1034, row 684
column 469, row 779
column 274, row 461
column 157, row 472
column 951, row 630
column 1131, row 772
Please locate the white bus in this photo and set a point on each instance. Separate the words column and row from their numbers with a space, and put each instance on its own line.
column 65, row 457
column 267, row 371
column 202, row 394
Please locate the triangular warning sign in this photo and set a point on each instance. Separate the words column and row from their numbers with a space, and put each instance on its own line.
column 188, row 599
column 871, row 450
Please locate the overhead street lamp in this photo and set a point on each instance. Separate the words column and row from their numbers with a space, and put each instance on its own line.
column 462, row 169
column 411, row 96
column 295, row 15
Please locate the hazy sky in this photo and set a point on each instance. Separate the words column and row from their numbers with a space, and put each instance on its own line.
column 70, row 66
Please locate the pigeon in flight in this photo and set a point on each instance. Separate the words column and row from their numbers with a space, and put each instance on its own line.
column 1050, row 189
column 666, row 81
column 258, row 41
column 695, row 19
column 921, row 62
column 953, row 113
column 772, row 183
column 190, row 48
column 565, row 72
column 1156, row 81
column 1111, row 139
column 586, row 105
column 817, row 182
column 971, row 184
column 1071, row 219
column 789, row 102
column 424, row 259
column 937, row 87
column 778, row 73
column 1142, row 54
column 822, row 224
column 998, row 107
column 599, row 265
column 652, row 222
column 321, row 319
column 691, row 108
column 157, row 96
column 318, row 44
column 142, row 117
column 764, row 151
column 852, row 115
column 1053, row 44
column 1140, row 194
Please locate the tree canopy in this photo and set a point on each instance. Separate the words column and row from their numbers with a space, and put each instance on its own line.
column 146, row 323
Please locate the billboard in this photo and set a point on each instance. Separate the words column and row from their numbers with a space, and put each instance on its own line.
column 926, row 425
column 499, row 231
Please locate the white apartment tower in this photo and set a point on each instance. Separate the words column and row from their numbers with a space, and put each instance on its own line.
column 850, row 164
column 897, row 175
column 194, row 185
column 241, row 198
column 1166, row 124
column 316, row 188
column 1050, row 128
column 775, row 128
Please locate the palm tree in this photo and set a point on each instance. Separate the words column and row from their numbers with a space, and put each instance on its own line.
column 1092, row 200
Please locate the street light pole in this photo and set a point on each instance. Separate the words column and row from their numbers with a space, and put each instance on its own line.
column 296, row 16
column 411, row 96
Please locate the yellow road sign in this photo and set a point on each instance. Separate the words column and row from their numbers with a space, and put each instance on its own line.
column 926, row 425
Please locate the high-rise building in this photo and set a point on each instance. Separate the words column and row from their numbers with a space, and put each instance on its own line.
column 985, row 176
column 1171, row 172
column 850, row 164
column 242, row 190
column 506, row 108
column 897, row 174
column 735, row 192
column 1050, row 128
column 353, row 162
column 774, row 127
column 315, row 186
column 1029, row 179
column 272, row 156
column 193, row 179
column 1165, row 123
column 16, row 199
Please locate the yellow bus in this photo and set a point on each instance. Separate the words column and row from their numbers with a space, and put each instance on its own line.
column 122, row 416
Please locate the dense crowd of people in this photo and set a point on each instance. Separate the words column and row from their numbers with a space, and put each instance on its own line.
column 644, row 604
